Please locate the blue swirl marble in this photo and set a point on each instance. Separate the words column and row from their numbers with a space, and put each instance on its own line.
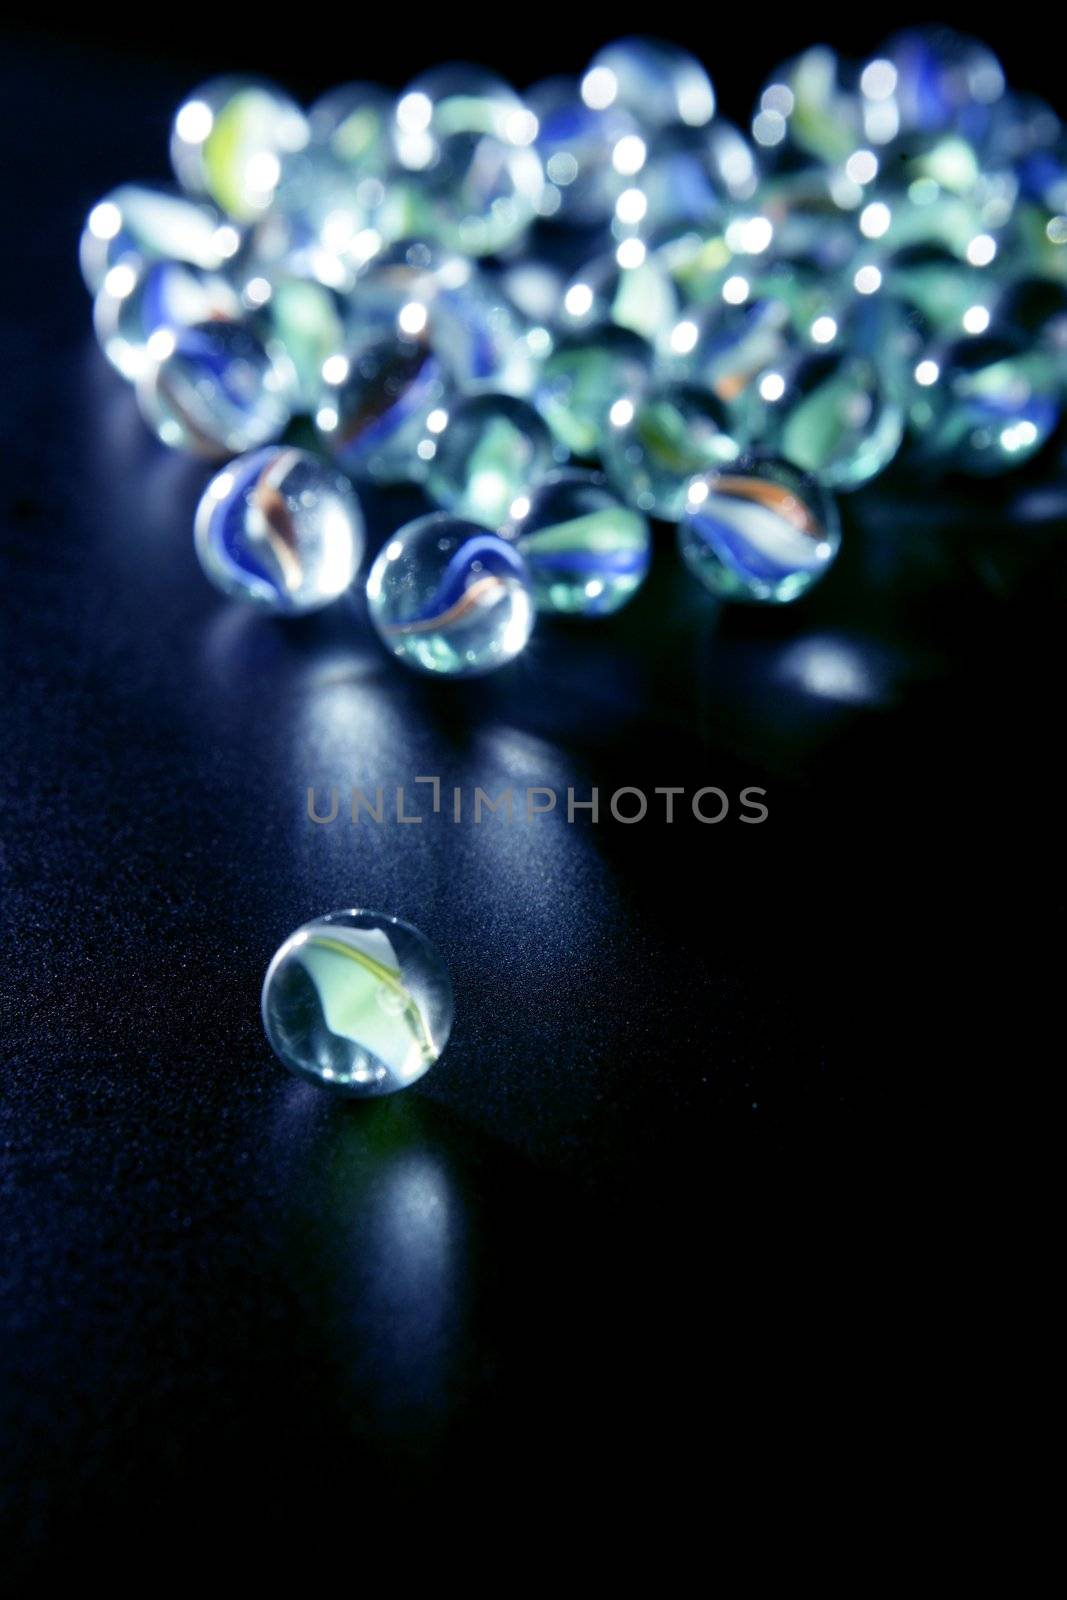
column 446, row 596
column 280, row 530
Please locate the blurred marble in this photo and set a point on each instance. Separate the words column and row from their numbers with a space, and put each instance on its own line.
column 586, row 374
column 661, row 83
column 469, row 142
column 130, row 311
column 986, row 405
column 374, row 405
column 760, row 531
column 139, row 223
column 487, row 450
column 587, row 551
column 216, row 391
column 280, row 530
column 656, row 445
column 229, row 139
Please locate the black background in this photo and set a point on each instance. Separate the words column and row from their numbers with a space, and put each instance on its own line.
column 660, row 1198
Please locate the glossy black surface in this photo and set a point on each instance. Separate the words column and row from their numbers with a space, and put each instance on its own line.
column 686, row 1059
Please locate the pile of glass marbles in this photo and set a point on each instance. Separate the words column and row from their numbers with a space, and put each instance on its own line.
column 566, row 312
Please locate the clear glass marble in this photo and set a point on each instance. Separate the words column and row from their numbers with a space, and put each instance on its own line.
column 829, row 413
column 689, row 176
column 375, row 404
column 229, row 140
column 355, row 123
column 130, row 310
column 585, row 375
column 138, row 223
column 280, row 530
column 587, row 551
column 642, row 297
column 941, row 79
column 577, row 144
column 809, row 109
column 487, row 450
column 986, row 405
column 359, row 1002
column 215, row 390
column 468, row 140
column 760, row 531
column 656, row 444
column 447, row 596
column 465, row 313
column 660, row 83
column 725, row 346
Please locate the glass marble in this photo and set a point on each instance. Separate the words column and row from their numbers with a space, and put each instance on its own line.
column 829, row 413
column 809, row 108
column 986, row 405
column 656, row 445
column 229, row 140
column 448, row 597
column 138, row 223
column 375, row 403
column 281, row 530
column 759, row 531
column 355, row 122
column 302, row 319
column 216, row 391
column 488, row 449
column 642, row 297
column 942, row 79
column 586, row 374
column 359, row 1002
column 690, row 176
column 587, row 551
column 130, row 310
column 725, row 346
column 577, row 145
column 660, row 83
column 468, row 139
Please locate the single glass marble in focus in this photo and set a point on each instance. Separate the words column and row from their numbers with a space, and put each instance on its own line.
column 359, row 1002
column 660, row 83
column 829, row 413
column 130, row 310
column 229, row 139
column 487, row 450
column 138, row 223
column 373, row 409
column 447, row 596
column 587, row 551
column 303, row 319
column 986, row 405
column 468, row 140
column 759, row 531
column 586, row 374
column 281, row 530
column 642, row 297
column 658, row 443
column 216, row 390
column 587, row 164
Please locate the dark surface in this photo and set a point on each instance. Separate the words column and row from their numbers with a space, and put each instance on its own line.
column 675, row 1129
